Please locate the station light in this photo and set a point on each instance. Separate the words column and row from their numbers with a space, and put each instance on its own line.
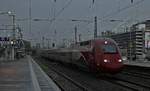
column 12, row 42
column 9, row 12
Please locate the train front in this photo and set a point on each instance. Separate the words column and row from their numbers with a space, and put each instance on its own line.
column 108, row 57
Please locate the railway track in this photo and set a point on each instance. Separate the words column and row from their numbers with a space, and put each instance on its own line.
column 137, row 69
column 69, row 79
column 58, row 77
column 137, row 74
column 131, row 80
column 79, row 85
column 123, row 83
column 84, row 85
column 128, row 84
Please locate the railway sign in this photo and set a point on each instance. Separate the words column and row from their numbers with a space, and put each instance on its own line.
column 4, row 38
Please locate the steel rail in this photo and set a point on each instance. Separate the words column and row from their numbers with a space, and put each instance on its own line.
column 69, row 79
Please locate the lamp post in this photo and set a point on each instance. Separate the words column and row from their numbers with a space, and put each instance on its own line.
column 13, row 35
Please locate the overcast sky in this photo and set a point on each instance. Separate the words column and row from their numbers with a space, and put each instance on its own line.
column 72, row 9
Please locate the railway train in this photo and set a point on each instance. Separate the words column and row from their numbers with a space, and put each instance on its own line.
column 97, row 55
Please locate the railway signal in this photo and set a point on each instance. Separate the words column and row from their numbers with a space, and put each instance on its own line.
column 95, row 27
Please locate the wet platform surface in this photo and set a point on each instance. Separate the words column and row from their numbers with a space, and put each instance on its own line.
column 24, row 75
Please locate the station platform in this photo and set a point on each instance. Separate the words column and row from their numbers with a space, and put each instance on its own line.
column 24, row 75
column 139, row 63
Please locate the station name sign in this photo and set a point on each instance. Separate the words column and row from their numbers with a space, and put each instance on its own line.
column 4, row 38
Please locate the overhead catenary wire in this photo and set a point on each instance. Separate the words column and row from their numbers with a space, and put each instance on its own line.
column 100, row 19
column 112, row 14
column 61, row 10
column 123, row 9
column 66, row 6
column 106, row 16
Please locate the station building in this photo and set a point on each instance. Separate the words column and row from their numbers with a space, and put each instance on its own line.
column 135, row 43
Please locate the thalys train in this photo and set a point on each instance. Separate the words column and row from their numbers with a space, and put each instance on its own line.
column 97, row 55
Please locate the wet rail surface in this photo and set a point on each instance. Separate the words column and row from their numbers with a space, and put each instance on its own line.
column 122, row 81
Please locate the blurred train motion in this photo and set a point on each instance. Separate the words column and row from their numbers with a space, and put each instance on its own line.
column 97, row 55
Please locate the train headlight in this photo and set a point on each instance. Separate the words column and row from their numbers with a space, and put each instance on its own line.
column 105, row 60
column 119, row 60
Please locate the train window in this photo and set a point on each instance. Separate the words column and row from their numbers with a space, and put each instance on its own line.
column 84, row 43
column 109, row 49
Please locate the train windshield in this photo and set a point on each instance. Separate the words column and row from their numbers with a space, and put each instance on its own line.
column 109, row 48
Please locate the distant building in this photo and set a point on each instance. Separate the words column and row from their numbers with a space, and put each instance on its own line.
column 133, row 43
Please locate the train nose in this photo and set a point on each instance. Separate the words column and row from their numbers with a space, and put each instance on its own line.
column 112, row 66
column 111, row 70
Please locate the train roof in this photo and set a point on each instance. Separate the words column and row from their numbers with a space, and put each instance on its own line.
column 78, row 47
column 96, row 39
